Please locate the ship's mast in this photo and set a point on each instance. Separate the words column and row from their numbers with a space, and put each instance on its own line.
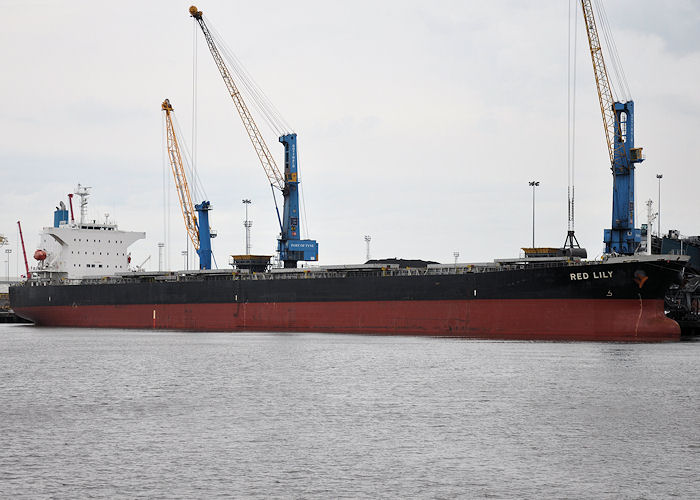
column 83, row 192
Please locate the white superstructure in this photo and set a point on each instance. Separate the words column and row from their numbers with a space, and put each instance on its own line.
column 86, row 248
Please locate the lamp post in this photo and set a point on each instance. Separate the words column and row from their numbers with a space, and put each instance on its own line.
column 368, row 238
column 658, row 204
column 184, row 254
column 247, row 224
column 456, row 256
column 534, row 184
column 8, row 251
column 161, row 252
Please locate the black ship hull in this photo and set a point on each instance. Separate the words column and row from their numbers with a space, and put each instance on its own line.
column 620, row 300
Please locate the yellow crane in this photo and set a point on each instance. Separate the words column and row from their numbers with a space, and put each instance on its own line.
column 197, row 230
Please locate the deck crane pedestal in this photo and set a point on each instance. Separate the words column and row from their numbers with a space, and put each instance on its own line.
column 290, row 246
column 618, row 122
column 197, row 225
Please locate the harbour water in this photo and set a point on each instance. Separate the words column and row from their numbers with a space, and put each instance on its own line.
column 115, row 413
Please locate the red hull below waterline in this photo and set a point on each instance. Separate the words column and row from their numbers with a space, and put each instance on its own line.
column 626, row 320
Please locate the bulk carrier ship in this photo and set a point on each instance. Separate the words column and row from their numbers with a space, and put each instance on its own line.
column 529, row 298
column 553, row 296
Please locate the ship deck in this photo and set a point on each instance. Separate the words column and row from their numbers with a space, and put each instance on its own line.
column 344, row 271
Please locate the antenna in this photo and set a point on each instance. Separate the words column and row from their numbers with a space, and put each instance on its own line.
column 658, row 226
column 70, row 202
column 651, row 217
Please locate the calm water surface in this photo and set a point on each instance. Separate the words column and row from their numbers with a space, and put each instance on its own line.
column 113, row 413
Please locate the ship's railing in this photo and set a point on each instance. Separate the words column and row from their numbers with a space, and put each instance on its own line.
column 372, row 270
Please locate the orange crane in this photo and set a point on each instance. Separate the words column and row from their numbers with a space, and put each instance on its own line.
column 197, row 228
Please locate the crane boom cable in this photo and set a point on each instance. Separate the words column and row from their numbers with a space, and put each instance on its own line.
column 568, row 127
column 573, row 127
column 248, row 89
column 619, row 83
column 304, row 221
column 571, row 112
column 251, row 89
column 166, row 192
column 266, row 159
column 197, row 187
column 245, row 79
column 605, row 96
column 193, row 140
column 246, row 85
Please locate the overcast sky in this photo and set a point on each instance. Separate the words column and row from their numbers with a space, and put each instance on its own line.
column 419, row 124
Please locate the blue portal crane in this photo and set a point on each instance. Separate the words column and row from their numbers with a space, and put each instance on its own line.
column 197, row 225
column 618, row 122
column 290, row 246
